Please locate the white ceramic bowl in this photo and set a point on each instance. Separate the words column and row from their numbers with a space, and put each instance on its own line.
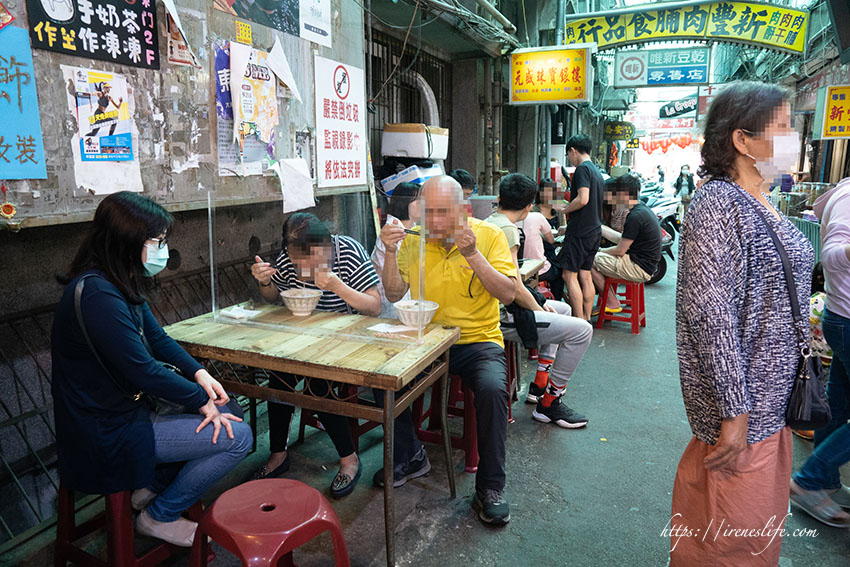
column 301, row 302
column 408, row 311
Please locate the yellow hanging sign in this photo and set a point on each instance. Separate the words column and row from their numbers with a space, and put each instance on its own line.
column 551, row 75
column 836, row 115
column 764, row 25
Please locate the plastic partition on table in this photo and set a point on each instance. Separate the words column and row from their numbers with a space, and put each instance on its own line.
column 226, row 275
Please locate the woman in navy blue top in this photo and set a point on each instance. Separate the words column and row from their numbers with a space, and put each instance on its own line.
column 108, row 439
column 738, row 346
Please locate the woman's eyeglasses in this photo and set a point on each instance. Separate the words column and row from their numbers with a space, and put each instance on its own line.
column 160, row 242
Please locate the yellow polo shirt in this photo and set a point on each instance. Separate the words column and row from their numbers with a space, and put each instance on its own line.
column 450, row 282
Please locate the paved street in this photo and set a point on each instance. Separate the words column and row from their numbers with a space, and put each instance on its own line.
column 591, row 497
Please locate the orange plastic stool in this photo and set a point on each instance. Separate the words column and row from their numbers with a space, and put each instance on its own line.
column 634, row 308
column 120, row 540
column 468, row 441
column 263, row 521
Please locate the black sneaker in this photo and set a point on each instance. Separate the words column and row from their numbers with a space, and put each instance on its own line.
column 535, row 392
column 559, row 414
column 418, row 466
column 492, row 507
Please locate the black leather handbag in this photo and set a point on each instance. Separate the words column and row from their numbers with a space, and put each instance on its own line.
column 808, row 406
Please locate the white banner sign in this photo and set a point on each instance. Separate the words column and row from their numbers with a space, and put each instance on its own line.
column 340, row 124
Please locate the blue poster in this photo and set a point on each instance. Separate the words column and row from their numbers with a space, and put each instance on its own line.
column 21, row 146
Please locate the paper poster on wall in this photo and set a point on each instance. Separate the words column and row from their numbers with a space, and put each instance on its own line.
column 278, row 14
column 21, row 146
column 316, row 21
column 110, row 30
column 340, row 124
column 111, row 167
column 103, row 114
column 251, row 158
column 255, row 109
column 6, row 17
column 179, row 52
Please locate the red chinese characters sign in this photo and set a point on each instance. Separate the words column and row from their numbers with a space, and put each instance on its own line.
column 551, row 75
column 836, row 119
column 340, row 124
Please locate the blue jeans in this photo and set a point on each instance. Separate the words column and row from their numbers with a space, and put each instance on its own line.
column 175, row 441
column 832, row 443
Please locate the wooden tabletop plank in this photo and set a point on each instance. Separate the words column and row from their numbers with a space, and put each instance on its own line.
column 324, row 345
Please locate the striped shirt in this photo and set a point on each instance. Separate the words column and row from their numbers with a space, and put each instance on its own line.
column 351, row 265
column 738, row 348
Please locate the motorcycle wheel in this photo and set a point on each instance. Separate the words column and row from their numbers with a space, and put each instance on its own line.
column 660, row 271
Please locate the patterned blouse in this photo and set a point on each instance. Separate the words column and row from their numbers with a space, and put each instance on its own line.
column 738, row 348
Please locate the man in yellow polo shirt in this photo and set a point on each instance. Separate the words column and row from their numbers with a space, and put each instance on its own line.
column 468, row 271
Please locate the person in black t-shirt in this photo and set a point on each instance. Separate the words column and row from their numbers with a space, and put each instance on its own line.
column 584, row 227
column 638, row 249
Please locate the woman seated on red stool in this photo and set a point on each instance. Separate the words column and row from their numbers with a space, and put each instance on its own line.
column 339, row 266
column 108, row 351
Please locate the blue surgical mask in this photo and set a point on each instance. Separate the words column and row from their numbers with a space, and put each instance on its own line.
column 157, row 258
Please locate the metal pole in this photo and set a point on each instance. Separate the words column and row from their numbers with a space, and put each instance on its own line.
column 560, row 22
column 488, row 126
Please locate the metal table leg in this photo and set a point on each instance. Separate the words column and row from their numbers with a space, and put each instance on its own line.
column 447, row 443
column 389, row 441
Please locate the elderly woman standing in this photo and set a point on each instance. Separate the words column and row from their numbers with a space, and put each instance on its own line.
column 738, row 346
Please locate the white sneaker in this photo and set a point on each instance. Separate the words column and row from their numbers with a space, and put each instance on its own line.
column 140, row 499
column 180, row 532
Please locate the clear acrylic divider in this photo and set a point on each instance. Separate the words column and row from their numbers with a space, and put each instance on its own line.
column 228, row 274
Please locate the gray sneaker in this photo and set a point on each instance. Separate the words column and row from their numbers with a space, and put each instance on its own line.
column 491, row 506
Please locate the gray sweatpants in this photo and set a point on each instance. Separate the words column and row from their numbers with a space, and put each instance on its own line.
column 564, row 339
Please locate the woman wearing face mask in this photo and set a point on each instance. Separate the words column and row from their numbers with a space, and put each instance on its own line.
column 312, row 258
column 107, row 437
column 738, row 344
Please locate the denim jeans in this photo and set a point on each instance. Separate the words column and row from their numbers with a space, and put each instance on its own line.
column 204, row 463
column 483, row 369
column 832, row 443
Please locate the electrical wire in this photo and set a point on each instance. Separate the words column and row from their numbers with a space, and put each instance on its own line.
column 401, row 56
column 394, row 26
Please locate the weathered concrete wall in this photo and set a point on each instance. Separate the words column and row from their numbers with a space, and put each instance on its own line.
column 175, row 117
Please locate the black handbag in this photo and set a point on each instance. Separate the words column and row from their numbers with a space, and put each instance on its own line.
column 808, row 406
column 158, row 405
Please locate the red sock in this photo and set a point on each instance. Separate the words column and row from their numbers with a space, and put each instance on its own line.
column 552, row 393
column 542, row 376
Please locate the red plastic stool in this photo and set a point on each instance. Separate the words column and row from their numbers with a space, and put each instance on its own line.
column 634, row 308
column 468, row 441
column 120, row 541
column 263, row 521
column 311, row 418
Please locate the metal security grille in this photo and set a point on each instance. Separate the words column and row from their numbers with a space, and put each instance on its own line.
column 400, row 101
column 29, row 479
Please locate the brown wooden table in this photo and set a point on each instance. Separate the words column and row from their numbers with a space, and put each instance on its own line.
column 336, row 347
column 529, row 270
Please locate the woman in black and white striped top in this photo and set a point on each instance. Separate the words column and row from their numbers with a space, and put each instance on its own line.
column 312, row 258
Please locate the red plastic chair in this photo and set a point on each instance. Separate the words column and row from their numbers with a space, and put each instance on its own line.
column 263, row 521
column 634, row 308
column 468, row 441
column 120, row 540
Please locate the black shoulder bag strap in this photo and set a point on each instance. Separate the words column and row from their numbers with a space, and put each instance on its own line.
column 789, row 281
column 78, row 296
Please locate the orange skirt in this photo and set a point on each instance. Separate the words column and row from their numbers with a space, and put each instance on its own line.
column 731, row 517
